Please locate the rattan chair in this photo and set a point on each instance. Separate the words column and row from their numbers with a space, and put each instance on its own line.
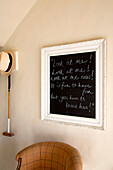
column 49, row 156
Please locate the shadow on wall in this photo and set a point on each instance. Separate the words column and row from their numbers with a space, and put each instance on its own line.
column 7, row 156
column 1, row 48
column 7, row 144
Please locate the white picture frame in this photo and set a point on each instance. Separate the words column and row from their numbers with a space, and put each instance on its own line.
column 99, row 46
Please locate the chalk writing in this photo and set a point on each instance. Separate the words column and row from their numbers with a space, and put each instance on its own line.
column 72, row 84
column 57, row 64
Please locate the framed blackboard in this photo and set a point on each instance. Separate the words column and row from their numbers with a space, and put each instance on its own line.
column 73, row 84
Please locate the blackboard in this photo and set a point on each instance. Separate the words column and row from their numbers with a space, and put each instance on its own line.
column 73, row 84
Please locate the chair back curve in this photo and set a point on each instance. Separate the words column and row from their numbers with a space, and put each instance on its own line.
column 50, row 156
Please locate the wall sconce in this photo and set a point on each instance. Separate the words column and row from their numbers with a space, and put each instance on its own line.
column 8, row 63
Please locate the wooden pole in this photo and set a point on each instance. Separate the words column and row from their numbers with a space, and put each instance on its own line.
column 8, row 104
column 9, row 87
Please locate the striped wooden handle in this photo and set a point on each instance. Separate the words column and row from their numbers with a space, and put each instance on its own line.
column 9, row 86
column 8, row 104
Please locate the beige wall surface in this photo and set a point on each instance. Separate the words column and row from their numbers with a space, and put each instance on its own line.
column 12, row 13
column 55, row 22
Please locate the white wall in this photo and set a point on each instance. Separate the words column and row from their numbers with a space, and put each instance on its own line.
column 54, row 22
